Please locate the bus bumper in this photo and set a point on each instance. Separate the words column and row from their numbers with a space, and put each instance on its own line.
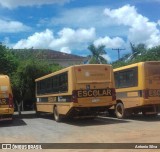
column 86, row 111
column 6, row 113
column 6, row 117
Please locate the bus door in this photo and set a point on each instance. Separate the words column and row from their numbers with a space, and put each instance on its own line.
column 94, row 83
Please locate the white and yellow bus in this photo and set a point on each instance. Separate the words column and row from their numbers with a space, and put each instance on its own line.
column 79, row 90
column 6, row 99
column 137, row 89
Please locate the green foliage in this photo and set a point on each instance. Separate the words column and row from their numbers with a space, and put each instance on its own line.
column 118, row 64
column 97, row 54
column 8, row 62
column 139, row 54
column 23, row 81
column 23, row 67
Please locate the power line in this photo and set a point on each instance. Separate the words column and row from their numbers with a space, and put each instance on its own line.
column 118, row 49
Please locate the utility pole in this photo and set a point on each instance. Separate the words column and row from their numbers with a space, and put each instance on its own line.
column 118, row 49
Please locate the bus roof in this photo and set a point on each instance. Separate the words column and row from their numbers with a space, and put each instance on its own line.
column 127, row 66
column 3, row 76
column 133, row 65
column 66, row 69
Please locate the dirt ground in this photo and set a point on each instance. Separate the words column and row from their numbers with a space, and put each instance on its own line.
column 30, row 129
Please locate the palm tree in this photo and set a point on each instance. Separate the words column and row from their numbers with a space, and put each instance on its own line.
column 140, row 49
column 97, row 54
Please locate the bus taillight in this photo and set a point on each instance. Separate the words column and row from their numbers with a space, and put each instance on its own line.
column 74, row 96
column 10, row 101
column 79, row 69
column 113, row 94
column 145, row 94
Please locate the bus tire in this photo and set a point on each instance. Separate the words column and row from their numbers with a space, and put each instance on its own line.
column 57, row 116
column 119, row 110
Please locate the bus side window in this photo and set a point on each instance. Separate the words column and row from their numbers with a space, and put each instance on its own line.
column 116, row 79
column 38, row 87
column 55, row 84
column 126, row 78
column 49, row 85
column 63, row 82
column 43, row 86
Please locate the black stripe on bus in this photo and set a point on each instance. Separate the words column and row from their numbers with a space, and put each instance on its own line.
column 139, row 93
column 55, row 99
column 129, row 94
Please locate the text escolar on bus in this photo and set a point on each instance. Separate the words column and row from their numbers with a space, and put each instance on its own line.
column 81, row 90
column 137, row 89
column 6, row 99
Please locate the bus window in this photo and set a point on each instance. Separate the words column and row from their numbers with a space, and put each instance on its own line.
column 126, row 78
column 63, row 82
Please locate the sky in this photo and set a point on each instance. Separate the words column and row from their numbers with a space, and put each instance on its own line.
column 70, row 26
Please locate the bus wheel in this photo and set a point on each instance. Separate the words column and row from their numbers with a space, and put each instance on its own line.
column 57, row 116
column 119, row 110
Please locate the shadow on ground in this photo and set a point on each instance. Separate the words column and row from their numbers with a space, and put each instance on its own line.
column 26, row 116
column 140, row 117
column 105, row 120
column 11, row 123
column 96, row 121
column 77, row 122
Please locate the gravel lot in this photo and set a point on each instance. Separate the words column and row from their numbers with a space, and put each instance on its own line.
column 30, row 129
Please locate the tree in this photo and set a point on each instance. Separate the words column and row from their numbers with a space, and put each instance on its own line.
column 8, row 62
column 97, row 54
column 140, row 49
column 139, row 54
column 23, row 79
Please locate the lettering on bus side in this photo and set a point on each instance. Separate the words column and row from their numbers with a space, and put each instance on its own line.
column 94, row 93
column 154, row 93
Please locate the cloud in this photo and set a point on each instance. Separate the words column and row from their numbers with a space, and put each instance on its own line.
column 107, row 57
column 17, row 3
column 81, row 17
column 65, row 50
column 37, row 40
column 67, row 39
column 110, row 42
column 8, row 26
column 141, row 30
column 84, row 17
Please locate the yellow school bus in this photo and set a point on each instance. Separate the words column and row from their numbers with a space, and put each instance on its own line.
column 6, row 99
column 137, row 89
column 79, row 90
